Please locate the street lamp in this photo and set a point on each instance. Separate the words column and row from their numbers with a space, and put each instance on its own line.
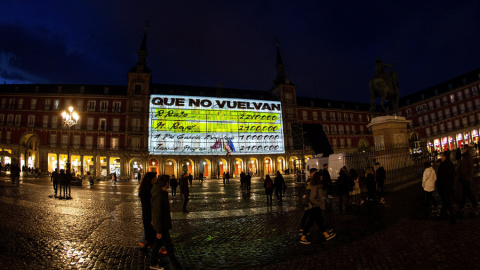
column 70, row 118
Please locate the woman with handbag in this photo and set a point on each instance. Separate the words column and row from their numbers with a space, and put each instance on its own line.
column 317, row 202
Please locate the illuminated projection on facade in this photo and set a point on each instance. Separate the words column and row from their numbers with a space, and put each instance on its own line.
column 181, row 125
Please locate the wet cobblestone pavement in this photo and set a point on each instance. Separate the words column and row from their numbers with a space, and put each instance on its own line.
column 100, row 227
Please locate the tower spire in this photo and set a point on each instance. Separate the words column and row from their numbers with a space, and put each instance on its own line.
column 281, row 76
column 142, row 53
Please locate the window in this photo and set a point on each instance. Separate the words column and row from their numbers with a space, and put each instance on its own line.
column 464, row 121
column 64, row 141
column 304, row 115
column 2, row 119
column 467, row 93
column 342, row 142
column 442, row 127
column 10, row 120
column 347, row 129
column 45, row 121
column 361, row 130
column 88, row 142
column 53, row 140
column 452, row 98
column 56, row 104
column 418, row 109
column 427, row 131
column 472, row 119
column 351, row 117
column 48, row 104
column 90, row 121
column 409, row 112
column 459, row 95
column 324, row 116
column 449, row 125
column 135, row 124
column 434, row 129
column 462, row 108
column 437, row 103
column 315, row 116
column 325, row 129
column 454, row 110
column 102, row 124
column 138, row 89
column 425, row 119
column 54, row 121
column 432, row 116
column 4, row 102
column 353, row 130
column 11, row 104
column 349, row 142
column 91, row 105
column 116, row 124
column 137, row 105
column 430, row 105
column 332, row 116
column 20, row 104
column 333, row 129
column 340, row 129
column 136, row 143
column 8, row 137
column 474, row 90
column 101, row 142
column 339, row 117
column 290, row 112
column 114, row 144
column 360, row 118
column 424, row 107
column 440, row 115
column 76, row 141
column 104, row 106
column 31, row 120
column 457, row 123
column 445, row 100
column 469, row 105
column 18, row 119
column 116, row 106
column 447, row 112
column 345, row 116
column 68, row 103
column 420, row 121
column 288, row 97
column 78, row 125
column 334, row 143
column 80, row 105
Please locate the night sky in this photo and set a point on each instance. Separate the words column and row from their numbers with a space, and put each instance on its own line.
column 329, row 48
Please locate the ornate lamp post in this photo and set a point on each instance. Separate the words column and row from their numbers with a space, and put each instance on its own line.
column 70, row 118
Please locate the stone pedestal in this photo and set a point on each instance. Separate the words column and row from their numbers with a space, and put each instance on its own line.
column 391, row 147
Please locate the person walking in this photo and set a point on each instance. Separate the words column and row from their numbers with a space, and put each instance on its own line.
column 162, row 222
column 428, row 184
column 356, row 191
column 145, row 194
column 62, row 180
column 306, row 202
column 445, row 184
column 224, row 175
column 227, row 177
column 280, row 187
column 190, row 179
column 248, row 181
column 317, row 202
column 370, row 182
column 54, row 179
column 268, row 185
column 68, row 183
column 326, row 184
column 380, row 176
column 173, row 185
column 184, row 191
column 344, row 187
column 465, row 175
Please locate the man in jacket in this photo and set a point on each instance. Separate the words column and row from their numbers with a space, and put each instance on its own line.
column 380, row 177
column 184, row 191
column 162, row 222
column 465, row 175
column 445, row 182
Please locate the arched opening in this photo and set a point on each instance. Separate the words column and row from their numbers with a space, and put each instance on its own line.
column 268, row 166
column 153, row 165
column 238, row 167
column 253, row 166
column 136, row 169
column 187, row 166
column 222, row 167
column 29, row 155
column 204, row 168
column 169, row 167
column 281, row 165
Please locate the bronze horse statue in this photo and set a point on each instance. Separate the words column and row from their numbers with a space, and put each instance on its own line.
column 384, row 86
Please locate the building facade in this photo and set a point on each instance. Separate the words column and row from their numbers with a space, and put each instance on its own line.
column 121, row 128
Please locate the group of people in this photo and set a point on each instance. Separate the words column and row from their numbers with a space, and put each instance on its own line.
column 278, row 185
column 443, row 181
column 61, row 182
column 157, row 221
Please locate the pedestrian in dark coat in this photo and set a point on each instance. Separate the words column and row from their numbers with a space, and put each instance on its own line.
column 268, row 185
column 162, row 221
column 344, row 186
column 380, row 177
column 145, row 194
column 465, row 175
column 55, row 177
column 370, row 183
column 173, row 185
column 445, row 184
column 184, row 191
column 227, row 177
column 280, row 187
column 62, row 180
column 326, row 183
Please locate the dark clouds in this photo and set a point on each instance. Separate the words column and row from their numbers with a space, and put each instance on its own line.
column 329, row 49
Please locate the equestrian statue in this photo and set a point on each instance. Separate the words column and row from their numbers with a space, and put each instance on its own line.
column 384, row 86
